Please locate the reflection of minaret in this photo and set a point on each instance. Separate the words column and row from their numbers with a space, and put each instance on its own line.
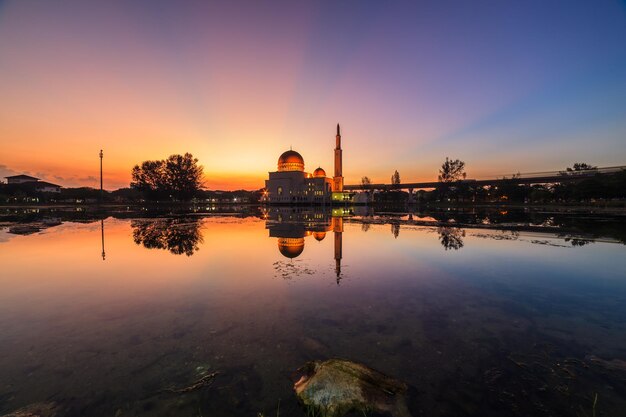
column 102, row 231
column 338, row 178
column 338, row 229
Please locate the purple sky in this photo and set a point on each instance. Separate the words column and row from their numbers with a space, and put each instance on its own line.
column 506, row 86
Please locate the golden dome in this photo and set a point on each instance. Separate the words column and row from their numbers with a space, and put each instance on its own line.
column 290, row 161
column 319, row 236
column 319, row 173
column 291, row 247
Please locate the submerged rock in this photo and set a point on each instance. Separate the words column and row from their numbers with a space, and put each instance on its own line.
column 613, row 364
column 48, row 409
column 335, row 387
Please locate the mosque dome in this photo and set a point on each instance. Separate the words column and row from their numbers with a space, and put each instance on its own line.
column 319, row 236
column 290, row 161
column 319, row 173
column 291, row 247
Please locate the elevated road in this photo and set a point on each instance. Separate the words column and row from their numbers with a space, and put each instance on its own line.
column 550, row 177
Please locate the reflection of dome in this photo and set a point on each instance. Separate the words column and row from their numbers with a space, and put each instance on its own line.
column 319, row 172
column 290, row 161
column 291, row 247
column 319, row 236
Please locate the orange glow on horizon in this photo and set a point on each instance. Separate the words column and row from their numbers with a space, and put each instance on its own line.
column 237, row 86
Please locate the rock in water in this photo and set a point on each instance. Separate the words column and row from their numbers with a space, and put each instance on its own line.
column 335, row 387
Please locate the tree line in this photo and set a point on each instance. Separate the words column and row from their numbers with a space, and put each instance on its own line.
column 454, row 187
column 180, row 178
column 175, row 178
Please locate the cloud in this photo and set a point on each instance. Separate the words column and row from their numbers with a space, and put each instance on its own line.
column 73, row 180
column 65, row 181
column 5, row 171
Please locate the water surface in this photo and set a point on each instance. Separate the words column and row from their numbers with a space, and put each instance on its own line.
column 490, row 314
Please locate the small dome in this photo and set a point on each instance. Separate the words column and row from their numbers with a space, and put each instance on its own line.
column 319, row 236
column 291, row 247
column 290, row 161
column 319, row 173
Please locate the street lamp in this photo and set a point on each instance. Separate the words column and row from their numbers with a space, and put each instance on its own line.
column 101, row 190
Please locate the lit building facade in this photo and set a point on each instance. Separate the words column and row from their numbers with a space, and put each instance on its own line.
column 290, row 184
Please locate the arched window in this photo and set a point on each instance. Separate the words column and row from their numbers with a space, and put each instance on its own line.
column 280, row 190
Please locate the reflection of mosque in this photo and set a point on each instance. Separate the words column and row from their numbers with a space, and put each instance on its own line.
column 292, row 226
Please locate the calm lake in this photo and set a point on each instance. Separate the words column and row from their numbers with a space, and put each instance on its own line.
column 482, row 313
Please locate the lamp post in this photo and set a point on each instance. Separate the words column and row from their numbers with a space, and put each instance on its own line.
column 101, row 189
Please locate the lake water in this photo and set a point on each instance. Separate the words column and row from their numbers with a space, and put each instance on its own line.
column 493, row 313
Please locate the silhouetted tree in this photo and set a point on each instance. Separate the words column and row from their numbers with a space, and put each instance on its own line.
column 365, row 181
column 395, row 178
column 540, row 194
column 581, row 166
column 178, row 176
column 149, row 178
column 126, row 194
column 82, row 193
column 452, row 171
column 183, row 175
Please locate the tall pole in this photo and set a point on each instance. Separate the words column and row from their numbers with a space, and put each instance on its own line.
column 101, row 189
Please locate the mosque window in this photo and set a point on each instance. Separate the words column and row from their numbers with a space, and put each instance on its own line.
column 280, row 190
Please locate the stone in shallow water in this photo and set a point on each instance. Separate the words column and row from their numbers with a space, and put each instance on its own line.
column 614, row 364
column 48, row 409
column 336, row 387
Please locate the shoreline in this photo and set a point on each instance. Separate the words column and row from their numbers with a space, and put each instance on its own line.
column 604, row 208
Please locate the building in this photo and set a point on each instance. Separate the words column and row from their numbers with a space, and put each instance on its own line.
column 29, row 183
column 290, row 184
column 46, row 187
column 20, row 179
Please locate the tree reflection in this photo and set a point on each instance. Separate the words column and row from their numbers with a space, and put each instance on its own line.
column 395, row 229
column 451, row 237
column 575, row 241
column 179, row 235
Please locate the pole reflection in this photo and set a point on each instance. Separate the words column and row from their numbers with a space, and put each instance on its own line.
column 102, row 233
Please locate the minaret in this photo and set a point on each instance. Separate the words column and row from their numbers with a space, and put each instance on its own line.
column 338, row 178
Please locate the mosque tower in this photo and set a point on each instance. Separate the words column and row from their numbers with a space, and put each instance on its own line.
column 338, row 178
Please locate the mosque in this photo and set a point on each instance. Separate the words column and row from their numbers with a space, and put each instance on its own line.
column 290, row 184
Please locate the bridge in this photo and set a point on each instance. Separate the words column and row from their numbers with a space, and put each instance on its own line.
column 548, row 177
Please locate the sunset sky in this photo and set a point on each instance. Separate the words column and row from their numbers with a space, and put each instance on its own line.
column 506, row 86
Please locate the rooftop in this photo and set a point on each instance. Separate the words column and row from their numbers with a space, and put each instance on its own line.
column 22, row 177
